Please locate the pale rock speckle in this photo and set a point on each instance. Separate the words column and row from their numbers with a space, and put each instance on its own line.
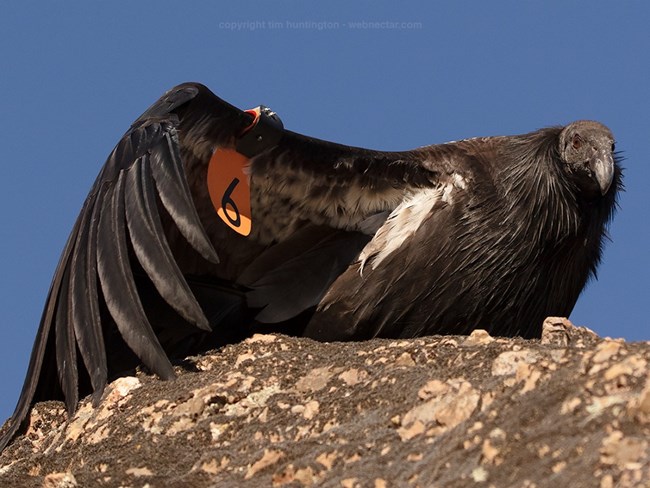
column 59, row 480
column 507, row 363
column 478, row 337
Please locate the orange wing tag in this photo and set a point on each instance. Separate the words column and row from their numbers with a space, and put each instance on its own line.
column 230, row 190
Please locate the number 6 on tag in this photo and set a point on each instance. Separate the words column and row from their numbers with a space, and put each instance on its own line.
column 229, row 189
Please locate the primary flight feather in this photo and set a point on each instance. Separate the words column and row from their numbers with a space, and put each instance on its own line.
column 312, row 238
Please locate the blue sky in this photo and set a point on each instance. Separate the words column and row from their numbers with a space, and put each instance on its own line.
column 369, row 73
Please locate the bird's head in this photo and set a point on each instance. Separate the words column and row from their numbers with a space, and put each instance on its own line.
column 587, row 150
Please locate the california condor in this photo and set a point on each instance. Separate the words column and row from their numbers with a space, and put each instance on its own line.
column 208, row 223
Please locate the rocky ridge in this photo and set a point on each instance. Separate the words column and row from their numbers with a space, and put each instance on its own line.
column 571, row 409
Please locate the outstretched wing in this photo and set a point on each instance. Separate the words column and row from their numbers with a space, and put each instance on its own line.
column 309, row 199
column 121, row 215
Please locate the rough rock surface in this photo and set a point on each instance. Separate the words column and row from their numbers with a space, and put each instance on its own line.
column 570, row 409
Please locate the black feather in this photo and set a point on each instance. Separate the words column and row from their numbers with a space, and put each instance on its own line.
column 167, row 169
column 84, row 306
column 119, row 287
column 151, row 247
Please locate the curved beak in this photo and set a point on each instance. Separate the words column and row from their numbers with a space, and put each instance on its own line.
column 602, row 166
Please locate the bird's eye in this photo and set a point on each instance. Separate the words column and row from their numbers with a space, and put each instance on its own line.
column 576, row 142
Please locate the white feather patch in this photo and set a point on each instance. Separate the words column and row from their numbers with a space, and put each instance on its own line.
column 402, row 223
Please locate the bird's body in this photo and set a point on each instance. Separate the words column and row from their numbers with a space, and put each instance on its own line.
column 499, row 247
column 344, row 243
